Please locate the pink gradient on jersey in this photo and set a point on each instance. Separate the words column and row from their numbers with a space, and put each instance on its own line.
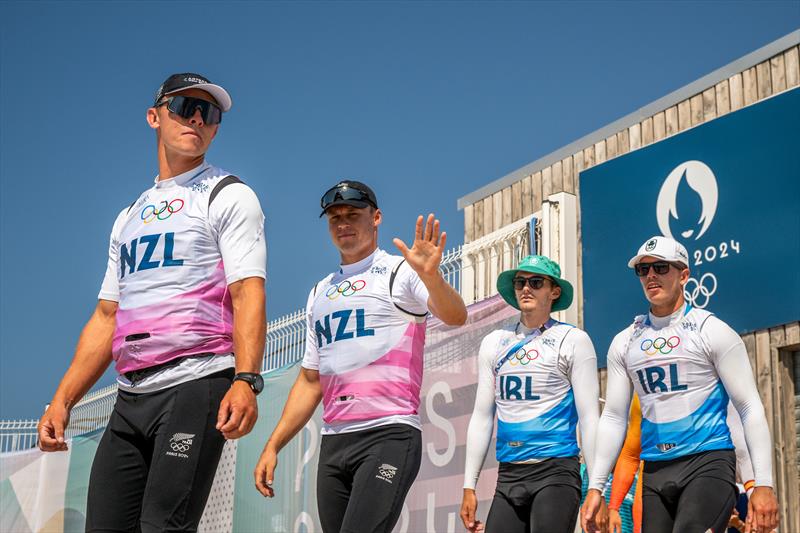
column 388, row 386
column 198, row 321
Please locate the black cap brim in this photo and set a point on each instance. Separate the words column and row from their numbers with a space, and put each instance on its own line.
column 355, row 203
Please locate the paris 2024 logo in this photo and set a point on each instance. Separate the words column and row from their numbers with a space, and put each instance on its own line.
column 701, row 180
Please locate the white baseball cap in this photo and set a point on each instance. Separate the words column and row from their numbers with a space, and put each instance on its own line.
column 663, row 248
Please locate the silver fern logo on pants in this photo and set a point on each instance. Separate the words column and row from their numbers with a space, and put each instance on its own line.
column 180, row 443
column 386, row 472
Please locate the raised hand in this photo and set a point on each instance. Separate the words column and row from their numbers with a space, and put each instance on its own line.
column 425, row 253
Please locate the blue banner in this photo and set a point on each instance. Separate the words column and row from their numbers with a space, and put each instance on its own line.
column 729, row 190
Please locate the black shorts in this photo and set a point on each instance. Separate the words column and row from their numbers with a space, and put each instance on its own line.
column 539, row 498
column 156, row 461
column 692, row 493
column 364, row 476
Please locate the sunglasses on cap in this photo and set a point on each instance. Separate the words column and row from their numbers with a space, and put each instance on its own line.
column 534, row 283
column 185, row 107
column 344, row 192
column 660, row 267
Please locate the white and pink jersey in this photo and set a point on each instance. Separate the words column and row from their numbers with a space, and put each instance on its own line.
column 172, row 255
column 367, row 343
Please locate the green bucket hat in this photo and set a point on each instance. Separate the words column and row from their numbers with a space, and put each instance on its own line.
column 535, row 264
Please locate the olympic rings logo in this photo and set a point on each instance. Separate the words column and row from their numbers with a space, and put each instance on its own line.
column 523, row 357
column 179, row 446
column 163, row 212
column 701, row 291
column 345, row 288
column 660, row 345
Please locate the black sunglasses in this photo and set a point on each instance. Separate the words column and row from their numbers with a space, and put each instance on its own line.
column 533, row 283
column 185, row 107
column 661, row 268
column 343, row 192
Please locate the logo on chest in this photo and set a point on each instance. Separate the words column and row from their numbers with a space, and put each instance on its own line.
column 660, row 345
column 345, row 288
column 517, row 387
column 162, row 211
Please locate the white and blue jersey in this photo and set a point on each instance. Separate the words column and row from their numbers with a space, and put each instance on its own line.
column 542, row 385
column 684, row 404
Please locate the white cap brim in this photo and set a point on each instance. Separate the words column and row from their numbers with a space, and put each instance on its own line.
column 220, row 95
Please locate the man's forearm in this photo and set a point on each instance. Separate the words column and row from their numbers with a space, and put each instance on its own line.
column 444, row 301
column 249, row 323
column 92, row 356
column 303, row 399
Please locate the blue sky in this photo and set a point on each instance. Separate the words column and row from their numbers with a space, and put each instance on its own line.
column 424, row 101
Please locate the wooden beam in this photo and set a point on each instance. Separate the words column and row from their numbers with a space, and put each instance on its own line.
column 780, row 412
column 710, row 104
column 723, row 98
column 488, row 215
column 497, row 210
column 516, row 201
column 659, row 126
column 684, row 115
column 764, row 375
column 547, row 182
column 672, row 120
column 777, row 70
column 737, row 91
column 506, row 210
column 647, row 131
column 568, row 167
column 469, row 224
column 611, row 147
column 623, row 142
column 696, row 107
column 791, row 59
column 536, row 191
column 478, row 219
column 558, row 177
column 600, row 152
column 527, row 198
column 635, row 133
column 750, row 86
column 764, row 80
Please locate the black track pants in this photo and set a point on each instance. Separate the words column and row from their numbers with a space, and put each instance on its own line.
column 156, row 461
column 364, row 476
column 692, row 493
column 536, row 498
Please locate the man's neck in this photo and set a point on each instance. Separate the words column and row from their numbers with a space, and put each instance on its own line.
column 349, row 259
column 534, row 319
column 172, row 164
column 667, row 308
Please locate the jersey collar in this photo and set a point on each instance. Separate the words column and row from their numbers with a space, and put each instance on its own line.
column 182, row 179
column 359, row 266
column 669, row 320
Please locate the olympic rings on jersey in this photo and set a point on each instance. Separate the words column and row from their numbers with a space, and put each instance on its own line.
column 163, row 212
column 345, row 288
column 660, row 345
column 523, row 357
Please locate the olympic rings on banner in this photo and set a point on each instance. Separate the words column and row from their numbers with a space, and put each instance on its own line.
column 523, row 357
column 345, row 288
column 704, row 288
column 164, row 211
column 660, row 345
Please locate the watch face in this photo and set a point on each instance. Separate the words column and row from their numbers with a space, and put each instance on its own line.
column 258, row 383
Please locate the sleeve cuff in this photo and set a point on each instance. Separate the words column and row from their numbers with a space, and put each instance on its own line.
column 110, row 296
column 242, row 274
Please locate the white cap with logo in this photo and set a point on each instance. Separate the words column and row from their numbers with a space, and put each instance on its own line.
column 662, row 248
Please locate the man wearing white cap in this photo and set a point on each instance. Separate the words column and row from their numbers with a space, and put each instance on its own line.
column 684, row 364
column 183, row 292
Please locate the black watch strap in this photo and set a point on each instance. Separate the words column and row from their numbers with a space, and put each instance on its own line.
column 253, row 379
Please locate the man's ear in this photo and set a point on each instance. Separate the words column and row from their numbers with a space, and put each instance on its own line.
column 377, row 218
column 152, row 118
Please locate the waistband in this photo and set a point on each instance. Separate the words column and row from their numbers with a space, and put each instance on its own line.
column 137, row 375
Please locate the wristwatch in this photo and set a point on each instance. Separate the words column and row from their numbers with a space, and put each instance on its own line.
column 255, row 381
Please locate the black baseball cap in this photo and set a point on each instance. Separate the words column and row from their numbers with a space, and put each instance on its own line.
column 190, row 80
column 348, row 192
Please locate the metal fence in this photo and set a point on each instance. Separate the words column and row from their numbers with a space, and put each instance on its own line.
column 286, row 336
